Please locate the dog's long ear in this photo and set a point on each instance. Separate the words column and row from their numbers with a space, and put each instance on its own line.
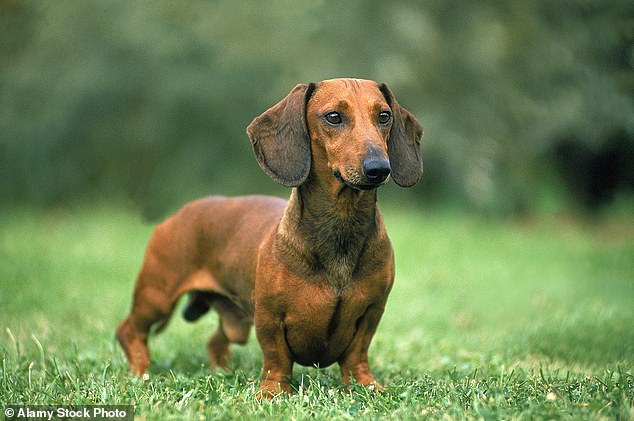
column 403, row 147
column 280, row 138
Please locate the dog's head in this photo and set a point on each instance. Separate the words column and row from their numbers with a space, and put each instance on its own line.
column 350, row 129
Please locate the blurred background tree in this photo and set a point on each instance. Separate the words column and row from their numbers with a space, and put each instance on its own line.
column 526, row 105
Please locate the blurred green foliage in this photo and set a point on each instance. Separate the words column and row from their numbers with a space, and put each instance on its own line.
column 149, row 100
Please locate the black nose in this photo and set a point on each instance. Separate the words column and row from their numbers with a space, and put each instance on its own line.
column 376, row 169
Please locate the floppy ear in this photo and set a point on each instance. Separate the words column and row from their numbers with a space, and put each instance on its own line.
column 403, row 146
column 280, row 138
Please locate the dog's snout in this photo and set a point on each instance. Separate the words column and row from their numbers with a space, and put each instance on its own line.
column 376, row 169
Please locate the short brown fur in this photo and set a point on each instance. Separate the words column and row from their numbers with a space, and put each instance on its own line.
column 312, row 273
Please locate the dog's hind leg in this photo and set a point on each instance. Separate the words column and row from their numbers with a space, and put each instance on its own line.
column 151, row 307
column 234, row 327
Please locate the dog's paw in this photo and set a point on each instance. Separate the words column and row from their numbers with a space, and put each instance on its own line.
column 373, row 386
column 271, row 389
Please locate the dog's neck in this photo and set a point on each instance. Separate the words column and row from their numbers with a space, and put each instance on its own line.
column 325, row 228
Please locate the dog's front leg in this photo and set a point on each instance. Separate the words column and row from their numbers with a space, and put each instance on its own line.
column 354, row 361
column 277, row 364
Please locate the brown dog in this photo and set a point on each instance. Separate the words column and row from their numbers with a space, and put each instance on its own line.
column 312, row 273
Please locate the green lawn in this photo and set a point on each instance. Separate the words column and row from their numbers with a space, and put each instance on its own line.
column 510, row 320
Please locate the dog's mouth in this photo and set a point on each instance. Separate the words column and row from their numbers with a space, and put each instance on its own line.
column 357, row 186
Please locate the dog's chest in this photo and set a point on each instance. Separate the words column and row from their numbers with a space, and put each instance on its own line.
column 319, row 327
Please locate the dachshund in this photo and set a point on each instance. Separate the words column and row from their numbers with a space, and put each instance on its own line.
column 312, row 273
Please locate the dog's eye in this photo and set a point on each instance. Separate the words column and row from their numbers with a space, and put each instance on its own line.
column 384, row 117
column 333, row 118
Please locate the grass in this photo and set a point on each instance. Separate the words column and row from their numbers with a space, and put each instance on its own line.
column 527, row 319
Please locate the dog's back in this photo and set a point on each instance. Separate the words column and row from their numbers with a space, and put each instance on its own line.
column 210, row 245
